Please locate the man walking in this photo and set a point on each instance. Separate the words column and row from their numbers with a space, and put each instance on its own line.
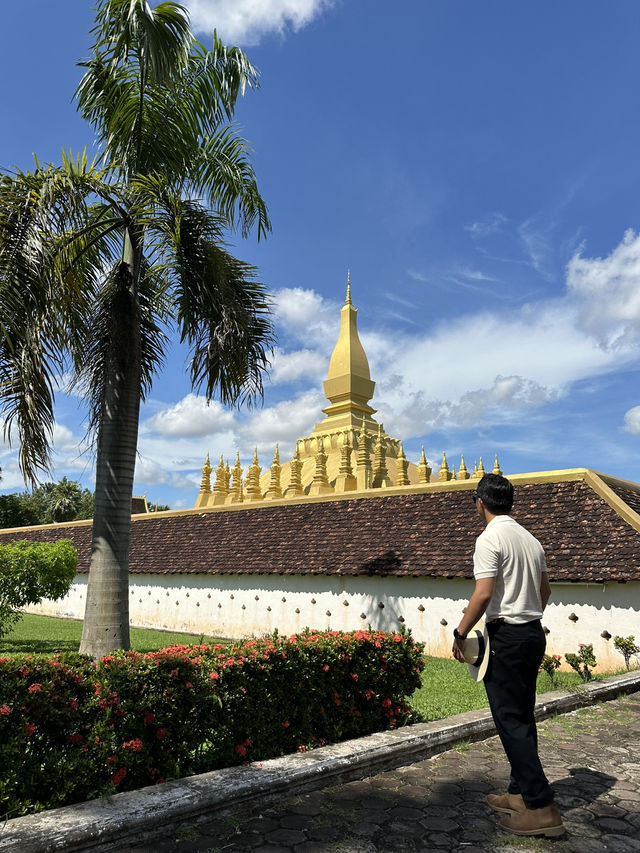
column 512, row 588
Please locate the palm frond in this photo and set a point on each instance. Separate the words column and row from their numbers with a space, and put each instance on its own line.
column 222, row 312
column 224, row 172
column 51, row 252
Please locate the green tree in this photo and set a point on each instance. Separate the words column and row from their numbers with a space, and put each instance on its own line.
column 99, row 259
column 14, row 512
column 32, row 571
column 159, row 507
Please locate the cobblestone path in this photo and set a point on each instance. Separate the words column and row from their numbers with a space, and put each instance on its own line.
column 592, row 757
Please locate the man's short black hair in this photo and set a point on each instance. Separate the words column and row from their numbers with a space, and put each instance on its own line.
column 496, row 493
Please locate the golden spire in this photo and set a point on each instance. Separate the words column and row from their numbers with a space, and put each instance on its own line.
column 475, row 470
column 275, row 491
column 320, row 484
column 347, row 300
column 402, row 463
column 348, row 385
column 444, row 473
column 236, row 489
column 205, row 484
column 380, row 474
column 252, row 483
column 363, row 462
column 424, row 471
column 345, row 481
column 220, row 486
column 294, row 489
column 463, row 473
column 481, row 471
column 496, row 466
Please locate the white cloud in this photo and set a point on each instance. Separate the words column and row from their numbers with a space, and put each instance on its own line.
column 300, row 364
column 491, row 224
column 307, row 316
column 247, row 21
column 632, row 421
column 64, row 440
column 191, row 417
column 607, row 291
column 283, row 423
column 534, row 234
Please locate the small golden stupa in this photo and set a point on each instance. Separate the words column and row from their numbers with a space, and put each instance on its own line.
column 348, row 450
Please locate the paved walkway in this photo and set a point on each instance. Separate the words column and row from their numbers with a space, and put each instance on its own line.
column 592, row 757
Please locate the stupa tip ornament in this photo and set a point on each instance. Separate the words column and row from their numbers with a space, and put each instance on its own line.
column 347, row 451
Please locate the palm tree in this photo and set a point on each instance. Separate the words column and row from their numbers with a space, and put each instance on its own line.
column 100, row 259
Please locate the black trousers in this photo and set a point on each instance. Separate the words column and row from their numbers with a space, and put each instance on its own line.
column 510, row 682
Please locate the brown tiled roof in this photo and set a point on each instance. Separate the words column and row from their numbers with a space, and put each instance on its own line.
column 429, row 533
column 630, row 497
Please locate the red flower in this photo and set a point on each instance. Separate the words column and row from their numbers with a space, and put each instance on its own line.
column 134, row 745
column 111, row 759
column 5, row 710
column 29, row 729
column 161, row 733
column 119, row 775
column 73, row 705
column 386, row 703
column 149, row 717
column 302, row 748
column 24, row 671
column 241, row 750
column 354, row 675
column 188, row 684
column 76, row 738
column 286, row 724
column 35, row 688
column 214, row 675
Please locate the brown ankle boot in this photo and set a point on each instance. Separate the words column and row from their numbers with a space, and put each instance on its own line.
column 544, row 821
column 506, row 803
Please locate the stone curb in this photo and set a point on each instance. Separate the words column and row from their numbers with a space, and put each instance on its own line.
column 135, row 816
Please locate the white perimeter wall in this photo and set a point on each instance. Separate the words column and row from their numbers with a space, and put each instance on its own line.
column 237, row 606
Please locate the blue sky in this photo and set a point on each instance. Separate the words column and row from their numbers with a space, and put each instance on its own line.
column 474, row 165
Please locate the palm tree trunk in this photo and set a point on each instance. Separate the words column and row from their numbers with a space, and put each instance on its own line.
column 106, row 620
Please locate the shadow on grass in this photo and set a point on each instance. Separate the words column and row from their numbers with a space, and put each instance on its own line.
column 38, row 647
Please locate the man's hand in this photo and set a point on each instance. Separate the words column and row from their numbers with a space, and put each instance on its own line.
column 458, row 649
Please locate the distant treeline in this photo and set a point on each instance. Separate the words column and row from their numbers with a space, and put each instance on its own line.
column 49, row 503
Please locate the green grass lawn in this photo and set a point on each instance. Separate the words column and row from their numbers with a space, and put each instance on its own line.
column 446, row 688
column 45, row 635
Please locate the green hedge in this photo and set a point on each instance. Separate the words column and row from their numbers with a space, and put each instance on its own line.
column 72, row 729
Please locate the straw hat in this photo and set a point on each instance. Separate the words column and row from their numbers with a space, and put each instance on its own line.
column 476, row 652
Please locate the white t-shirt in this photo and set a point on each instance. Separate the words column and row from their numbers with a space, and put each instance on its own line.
column 510, row 554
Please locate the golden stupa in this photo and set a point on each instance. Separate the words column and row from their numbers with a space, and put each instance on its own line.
column 347, row 451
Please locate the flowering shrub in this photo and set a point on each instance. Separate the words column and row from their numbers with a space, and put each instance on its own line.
column 550, row 664
column 72, row 729
column 627, row 648
column 44, row 729
column 583, row 661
